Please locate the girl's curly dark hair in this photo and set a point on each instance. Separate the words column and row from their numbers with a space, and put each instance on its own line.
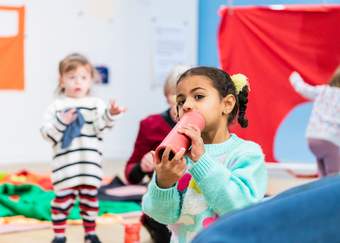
column 242, row 102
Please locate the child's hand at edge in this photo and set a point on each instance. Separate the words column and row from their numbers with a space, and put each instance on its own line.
column 67, row 117
column 169, row 171
column 147, row 163
column 295, row 77
column 115, row 109
column 197, row 144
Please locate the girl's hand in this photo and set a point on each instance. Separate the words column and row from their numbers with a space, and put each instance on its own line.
column 147, row 164
column 197, row 145
column 114, row 109
column 170, row 171
column 67, row 117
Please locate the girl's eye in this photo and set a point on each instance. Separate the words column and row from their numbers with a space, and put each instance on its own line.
column 198, row 97
column 180, row 102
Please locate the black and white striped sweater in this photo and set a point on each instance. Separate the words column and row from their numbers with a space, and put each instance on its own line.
column 80, row 163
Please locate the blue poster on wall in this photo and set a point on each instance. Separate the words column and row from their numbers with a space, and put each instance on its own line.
column 104, row 74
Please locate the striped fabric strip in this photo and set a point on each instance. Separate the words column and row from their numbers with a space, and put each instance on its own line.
column 78, row 150
column 77, row 163
column 75, row 176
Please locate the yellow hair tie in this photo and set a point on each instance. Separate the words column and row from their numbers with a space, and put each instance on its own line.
column 240, row 80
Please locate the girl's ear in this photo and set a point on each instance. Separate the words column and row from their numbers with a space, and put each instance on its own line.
column 228, row 104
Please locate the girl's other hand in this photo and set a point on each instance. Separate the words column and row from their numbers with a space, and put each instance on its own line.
column 147, row 163
column 67, row 117
column 197, row 144
column 170, row 171
column 115, row 109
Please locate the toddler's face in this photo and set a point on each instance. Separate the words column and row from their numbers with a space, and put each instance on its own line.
column 198, row 93
column 77, row 83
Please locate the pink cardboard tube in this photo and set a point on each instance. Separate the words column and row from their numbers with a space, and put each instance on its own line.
column 177, row 140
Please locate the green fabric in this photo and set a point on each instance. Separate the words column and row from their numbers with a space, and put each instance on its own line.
column 35, row 202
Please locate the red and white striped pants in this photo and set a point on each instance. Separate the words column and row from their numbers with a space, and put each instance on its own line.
column 64, row 201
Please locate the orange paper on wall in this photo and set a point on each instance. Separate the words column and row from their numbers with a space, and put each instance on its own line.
column 12, row 52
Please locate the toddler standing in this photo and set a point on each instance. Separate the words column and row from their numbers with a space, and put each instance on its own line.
column 74, row 124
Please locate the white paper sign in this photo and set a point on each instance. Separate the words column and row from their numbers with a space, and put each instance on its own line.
column 169, row 48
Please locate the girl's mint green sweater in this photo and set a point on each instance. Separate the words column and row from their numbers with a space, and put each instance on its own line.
column 228, row 176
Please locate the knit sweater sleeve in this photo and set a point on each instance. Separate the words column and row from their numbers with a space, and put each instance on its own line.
column 163, row 205
column 104, row 119
column 306, row 90
column 226, row 189
column 52, row 128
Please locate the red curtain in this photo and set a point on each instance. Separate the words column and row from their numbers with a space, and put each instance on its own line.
column 12, row 54
column 267, row 45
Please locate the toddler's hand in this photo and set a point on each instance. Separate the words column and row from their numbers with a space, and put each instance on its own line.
column 170, row 171
column 115, row 109
column 197, row 144
column 147, row 162
column 69, row 116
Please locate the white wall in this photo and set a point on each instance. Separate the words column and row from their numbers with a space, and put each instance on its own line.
column 116, row 33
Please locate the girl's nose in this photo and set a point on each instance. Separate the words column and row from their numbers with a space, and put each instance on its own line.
column 77, row 81
column 187, row 106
